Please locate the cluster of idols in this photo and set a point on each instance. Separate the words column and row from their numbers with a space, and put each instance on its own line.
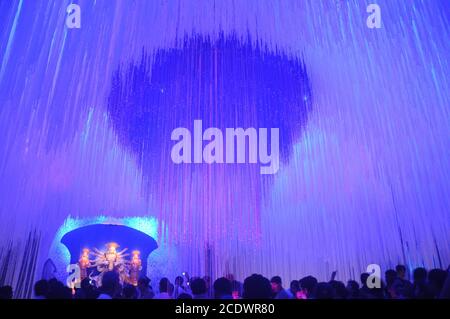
column 110, row 260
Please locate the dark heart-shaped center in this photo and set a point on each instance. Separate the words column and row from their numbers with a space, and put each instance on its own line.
column 227, row 82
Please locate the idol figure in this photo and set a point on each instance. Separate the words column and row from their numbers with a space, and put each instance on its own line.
column 84, row 263
column 110, row 260
column 135, row 267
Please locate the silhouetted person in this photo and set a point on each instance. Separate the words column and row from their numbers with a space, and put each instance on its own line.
column 257, row 287
column 144, row 289
column 110, row 285
column 6, row 292
column 436, row 280
column 390, row 275
column 420, row 283
column 294, row 287
column 365, row 292
column 339, row 290
column 198, row 288
column 86, row 291
column 277, row 289
column 419, row 275
column 401, row 271
column 222, row 289
column 163, row 289
column 352, row 289
column 41, row 289
column 379, row 292
column 445, row 292
column 308, row 286
column 402, row 287
column 373, row 292
column 236, row 286
column 324, row 291
column 129, row 292
column 179, row 287
column 57, row 290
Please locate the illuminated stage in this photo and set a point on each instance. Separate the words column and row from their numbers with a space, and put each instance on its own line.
column 90, row 238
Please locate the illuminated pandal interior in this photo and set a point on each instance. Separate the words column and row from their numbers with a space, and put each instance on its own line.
column 86, row 117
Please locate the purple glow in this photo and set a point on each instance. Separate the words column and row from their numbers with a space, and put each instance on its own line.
column 365, row 172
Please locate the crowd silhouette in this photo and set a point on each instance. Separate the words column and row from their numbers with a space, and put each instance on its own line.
column 433, row 284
